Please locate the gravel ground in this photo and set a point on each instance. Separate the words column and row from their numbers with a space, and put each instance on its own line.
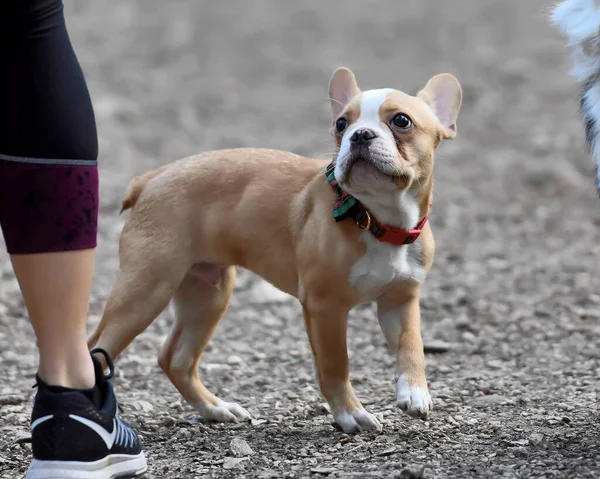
column 514, row 294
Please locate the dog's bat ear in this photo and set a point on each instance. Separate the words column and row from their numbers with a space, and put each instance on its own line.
column 342, row 88
column 444, row 94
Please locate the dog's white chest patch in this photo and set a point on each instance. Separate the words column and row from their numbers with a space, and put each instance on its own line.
column 384, row 264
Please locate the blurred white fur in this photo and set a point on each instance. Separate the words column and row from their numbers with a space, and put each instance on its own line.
column 579, row 22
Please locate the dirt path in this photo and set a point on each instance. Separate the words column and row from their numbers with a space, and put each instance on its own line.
column 515, row 289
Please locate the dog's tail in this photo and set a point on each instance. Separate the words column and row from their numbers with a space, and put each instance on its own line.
column 135, row 188
column 579, row 22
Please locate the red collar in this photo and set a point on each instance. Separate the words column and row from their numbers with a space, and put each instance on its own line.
column 386, row 233
column 347, row 205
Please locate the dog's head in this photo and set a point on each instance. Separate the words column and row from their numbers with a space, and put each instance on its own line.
column 386, row 138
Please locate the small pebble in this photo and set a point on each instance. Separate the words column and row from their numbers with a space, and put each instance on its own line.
column 168, row 421
column 234, row 360
column 536, row 439
column 520, row 451
column 240, row 448
column 232, row 462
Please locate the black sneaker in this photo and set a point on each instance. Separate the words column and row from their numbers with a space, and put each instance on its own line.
column 79, row 434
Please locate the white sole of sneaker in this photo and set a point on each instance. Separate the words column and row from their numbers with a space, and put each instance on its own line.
column 110, row 467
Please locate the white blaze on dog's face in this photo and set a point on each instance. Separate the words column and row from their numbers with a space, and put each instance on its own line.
column 386, row 138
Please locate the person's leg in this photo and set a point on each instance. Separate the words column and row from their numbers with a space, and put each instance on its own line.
column 48, row 215
column 48, row 152
column 56, row 288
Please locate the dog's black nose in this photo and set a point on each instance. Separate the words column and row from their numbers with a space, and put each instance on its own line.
column 363, row 136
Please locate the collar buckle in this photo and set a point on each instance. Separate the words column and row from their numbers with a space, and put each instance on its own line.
column 366, row 226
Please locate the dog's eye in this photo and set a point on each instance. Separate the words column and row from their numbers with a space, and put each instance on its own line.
column 341, row 124
column 401, row 121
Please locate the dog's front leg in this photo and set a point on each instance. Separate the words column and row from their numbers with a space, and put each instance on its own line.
column 326, row 326
column 400, row 320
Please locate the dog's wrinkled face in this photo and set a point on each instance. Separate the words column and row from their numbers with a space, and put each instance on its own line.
column 387, row 138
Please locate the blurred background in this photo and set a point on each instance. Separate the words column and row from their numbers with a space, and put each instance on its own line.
column 512, row 301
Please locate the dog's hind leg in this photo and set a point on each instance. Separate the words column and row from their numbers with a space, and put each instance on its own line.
column 149, row 276
column 200, row 302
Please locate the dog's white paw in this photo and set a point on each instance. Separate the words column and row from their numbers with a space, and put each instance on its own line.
column 357, row 421
column 413, row 400
column 223, row 412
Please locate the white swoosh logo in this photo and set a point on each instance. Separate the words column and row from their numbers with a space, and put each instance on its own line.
column 40, row 420
column 107, row 437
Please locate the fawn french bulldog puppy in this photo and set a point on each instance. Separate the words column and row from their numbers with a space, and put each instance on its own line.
column 332, row 234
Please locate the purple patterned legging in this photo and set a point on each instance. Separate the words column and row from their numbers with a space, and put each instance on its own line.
column 48, row 140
